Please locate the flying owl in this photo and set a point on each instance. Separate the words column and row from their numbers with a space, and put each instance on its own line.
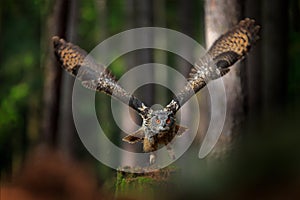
column 159, row 127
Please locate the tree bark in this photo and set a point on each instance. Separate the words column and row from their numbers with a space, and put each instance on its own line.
column 130, row 61
column 187, row 27
column 219, row 17
column 52, row 85
column 144, row 18
column 159, row 20
column 67, row 131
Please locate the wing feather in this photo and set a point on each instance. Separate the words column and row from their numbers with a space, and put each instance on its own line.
column 92, row 75
column 225, row 51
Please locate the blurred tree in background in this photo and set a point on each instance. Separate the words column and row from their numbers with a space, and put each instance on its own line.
column 35, row 94
column 21, row 79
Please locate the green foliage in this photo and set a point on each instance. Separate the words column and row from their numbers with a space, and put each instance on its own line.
column 20, row 74
column 10, row 106
column 115, row 16
column 89, row 24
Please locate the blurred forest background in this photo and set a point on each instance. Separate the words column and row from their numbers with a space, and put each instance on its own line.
column 258, row 153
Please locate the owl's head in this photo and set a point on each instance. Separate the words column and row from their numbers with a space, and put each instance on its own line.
column 161, row 120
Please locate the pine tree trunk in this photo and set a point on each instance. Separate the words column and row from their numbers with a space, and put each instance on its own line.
column 66, row 130
column 219, row 17
column 130, row 63
column 52, row 84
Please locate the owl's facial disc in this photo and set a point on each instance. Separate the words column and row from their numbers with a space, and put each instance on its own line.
column 161, row 120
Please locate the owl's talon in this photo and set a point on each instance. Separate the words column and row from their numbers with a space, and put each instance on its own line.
column 152, row 159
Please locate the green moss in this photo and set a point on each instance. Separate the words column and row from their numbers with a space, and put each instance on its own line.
column 144, row 184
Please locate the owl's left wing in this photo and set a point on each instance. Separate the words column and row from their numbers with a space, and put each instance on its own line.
column 225, row 51
column 92, row 74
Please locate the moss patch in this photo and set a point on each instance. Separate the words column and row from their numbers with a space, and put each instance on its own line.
column 144, row 183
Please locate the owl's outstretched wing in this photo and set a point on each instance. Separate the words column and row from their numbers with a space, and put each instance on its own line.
column 225, row 51
column 91, row 74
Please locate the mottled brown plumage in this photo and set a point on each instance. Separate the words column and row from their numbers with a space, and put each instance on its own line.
column 225, row 51
column 234, row 44
column 159, row 126
column 92, row 75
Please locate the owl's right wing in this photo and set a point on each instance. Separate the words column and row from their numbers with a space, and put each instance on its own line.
column 93, row 75
column 225, row 51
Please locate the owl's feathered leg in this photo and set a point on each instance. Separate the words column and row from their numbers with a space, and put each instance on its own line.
column 150, row 145
column 170, row 151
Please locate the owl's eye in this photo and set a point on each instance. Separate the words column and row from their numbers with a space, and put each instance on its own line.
column 157, row 121
column 168, row 121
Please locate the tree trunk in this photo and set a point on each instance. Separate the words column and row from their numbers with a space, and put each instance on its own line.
column 219, row 17
column 144, row 17
column 52, row 85
column 130, row 63
column 67, row 131
column 161, row 96
column 187, row 27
